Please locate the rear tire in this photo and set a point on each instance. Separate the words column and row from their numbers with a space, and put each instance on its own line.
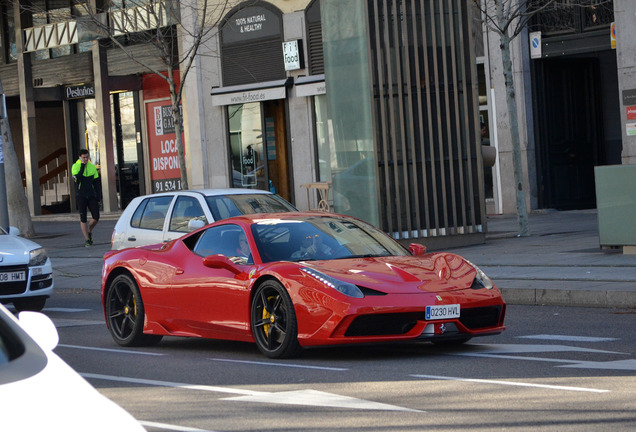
column 273, row 321
column 125, row 313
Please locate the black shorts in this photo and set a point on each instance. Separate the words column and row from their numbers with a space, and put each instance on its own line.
column 87, row 203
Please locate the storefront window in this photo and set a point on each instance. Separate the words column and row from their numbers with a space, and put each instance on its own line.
column 352, row 161
column 246, row 146
column 91, row 133
column 324, row 139
column 9, row 34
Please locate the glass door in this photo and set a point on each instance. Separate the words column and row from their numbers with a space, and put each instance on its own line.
column 258, row 146
column 127, row 146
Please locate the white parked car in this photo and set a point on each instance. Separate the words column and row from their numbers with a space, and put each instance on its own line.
column 26, row 275
column 40, row 392
column 162, row 217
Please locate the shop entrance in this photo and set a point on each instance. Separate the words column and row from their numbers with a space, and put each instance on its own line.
column 258, row 146
column 128, row 149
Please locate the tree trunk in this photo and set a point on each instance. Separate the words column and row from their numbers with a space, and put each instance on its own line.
column 522, row 212
column 178, row 128
column 19, row 214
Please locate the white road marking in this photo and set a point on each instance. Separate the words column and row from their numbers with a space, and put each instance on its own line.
column 318, row 398
column 171, row 427
column 114, row 350
column 609, row 365
column 531, row 348
column 510, row 357
column 290, row 365
column 566, row 338
column 500, row 352
column 513, row 383
column 298, row 397
column 69, row 310
column 63, row 322
column 171, row 384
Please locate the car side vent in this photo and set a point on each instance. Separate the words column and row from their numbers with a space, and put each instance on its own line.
column 370, row 292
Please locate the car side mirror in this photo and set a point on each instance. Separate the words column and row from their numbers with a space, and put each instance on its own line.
column 14, row 231
column 40, row 328
column 195, row 224
column 221, row 262
column 417, row 249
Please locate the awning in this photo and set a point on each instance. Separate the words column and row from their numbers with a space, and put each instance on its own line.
column 247, row 93
column 311, row 86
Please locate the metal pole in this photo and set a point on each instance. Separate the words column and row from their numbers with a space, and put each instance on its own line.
column 4, row 209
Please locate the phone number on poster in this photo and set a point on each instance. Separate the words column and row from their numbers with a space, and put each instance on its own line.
column 167, row 185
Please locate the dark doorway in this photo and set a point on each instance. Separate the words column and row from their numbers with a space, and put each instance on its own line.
column 569, row 131
column 128, row 149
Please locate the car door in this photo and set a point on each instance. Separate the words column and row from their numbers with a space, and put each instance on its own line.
column 186, row 214
column 148, row 221
column 214, row 302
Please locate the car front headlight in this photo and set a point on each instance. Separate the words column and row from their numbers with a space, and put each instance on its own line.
column 481, row 280
column 37, row 257
column 345, row 288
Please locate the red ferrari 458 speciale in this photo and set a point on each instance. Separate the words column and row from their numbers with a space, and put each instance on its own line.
column 293, row 280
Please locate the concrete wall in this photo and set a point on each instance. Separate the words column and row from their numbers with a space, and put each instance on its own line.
column 624, row 17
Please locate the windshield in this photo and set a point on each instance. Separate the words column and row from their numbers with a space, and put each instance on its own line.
column 225, row 206
column 321, row 238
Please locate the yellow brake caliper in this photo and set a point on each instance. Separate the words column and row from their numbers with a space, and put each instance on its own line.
column 267, row 316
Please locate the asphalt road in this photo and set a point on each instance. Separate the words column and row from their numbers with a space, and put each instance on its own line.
column 553, row 369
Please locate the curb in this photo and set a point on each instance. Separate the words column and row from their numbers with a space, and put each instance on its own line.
column 572, row 298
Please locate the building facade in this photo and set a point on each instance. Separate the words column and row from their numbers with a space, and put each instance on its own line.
column 382, row 99
column 571, row 66
column 375, row 98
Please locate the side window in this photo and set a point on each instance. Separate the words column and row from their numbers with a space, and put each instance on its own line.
column 186, row 209
column 210, row 242
column 155, row 213
column 136, row 218
column 228, row 240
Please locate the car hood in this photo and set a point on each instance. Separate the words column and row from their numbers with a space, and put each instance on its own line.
column 15, row 250
column 402, row 274
column 57, row 398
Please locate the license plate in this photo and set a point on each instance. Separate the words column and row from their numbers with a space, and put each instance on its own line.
column 442, row 312
column 18, row 276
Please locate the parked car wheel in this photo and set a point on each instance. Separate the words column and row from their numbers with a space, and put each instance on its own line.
column 274, row 321
column 34, row 304
column 125, row 313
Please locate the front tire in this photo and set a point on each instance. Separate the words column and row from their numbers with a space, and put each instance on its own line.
column 274, row 324
column 125, row 313
column 33, row 304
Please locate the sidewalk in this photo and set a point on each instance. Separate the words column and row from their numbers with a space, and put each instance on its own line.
column 561, row 262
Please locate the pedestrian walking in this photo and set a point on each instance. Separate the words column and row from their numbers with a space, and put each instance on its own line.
column 88, row 194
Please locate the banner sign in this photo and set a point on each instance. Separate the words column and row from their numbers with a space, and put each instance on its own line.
column 162, row 142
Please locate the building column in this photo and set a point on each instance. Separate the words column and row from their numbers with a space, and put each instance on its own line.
column 27, row 112
column 104, row 128
column 624, row 11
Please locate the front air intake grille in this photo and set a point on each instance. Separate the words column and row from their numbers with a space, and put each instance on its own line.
column 383, row 324
column 41, row 282
column 480, row 317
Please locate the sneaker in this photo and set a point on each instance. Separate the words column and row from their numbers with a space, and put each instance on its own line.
column 90, row 238
column 89, row 243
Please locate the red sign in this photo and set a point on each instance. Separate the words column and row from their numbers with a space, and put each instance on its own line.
column 162, row 142
column 631, row 113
